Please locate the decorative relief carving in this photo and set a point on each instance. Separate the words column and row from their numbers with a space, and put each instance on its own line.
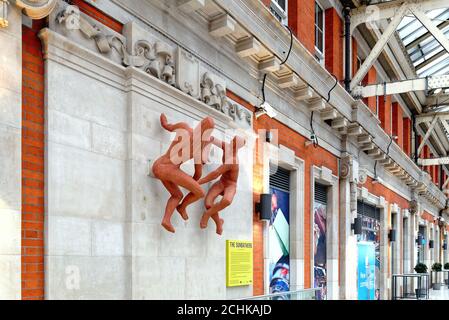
column 174, row 66
column 188, row 73
column 155, row 59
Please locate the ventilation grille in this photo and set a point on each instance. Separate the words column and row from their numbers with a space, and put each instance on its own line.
column 320, row 193
column 280, row 178
column 368, row 210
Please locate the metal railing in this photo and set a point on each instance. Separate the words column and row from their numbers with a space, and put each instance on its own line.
column 305, row 294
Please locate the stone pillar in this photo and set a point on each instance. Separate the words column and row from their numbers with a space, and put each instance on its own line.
column 396, row 245
column 446, row 252
column 407, row 238
column 348, row 241
column 10, row 157
column 427, row 251
column 385, row 284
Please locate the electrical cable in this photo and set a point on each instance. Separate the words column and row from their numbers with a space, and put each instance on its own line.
column 263, row 87
column 332, row 89
column 282, row 63
column 291, row 45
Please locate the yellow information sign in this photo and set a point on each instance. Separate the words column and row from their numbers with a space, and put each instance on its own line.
column 239, row 263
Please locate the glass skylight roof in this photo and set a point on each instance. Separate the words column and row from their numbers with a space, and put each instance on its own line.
column 427, row 55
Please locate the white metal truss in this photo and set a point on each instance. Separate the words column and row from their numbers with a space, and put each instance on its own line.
column 387, row 10
column 438, row 100
column 420, row 84
column 428, row 133
column 378, row 48
column 433, row 162
column 427, row 117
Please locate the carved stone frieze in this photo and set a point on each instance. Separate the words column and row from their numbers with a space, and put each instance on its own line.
column 188, row 73
column 171, row 64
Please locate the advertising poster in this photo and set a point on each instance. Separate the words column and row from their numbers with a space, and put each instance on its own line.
column 319, row 245
column 366, row 271
column 279, row 242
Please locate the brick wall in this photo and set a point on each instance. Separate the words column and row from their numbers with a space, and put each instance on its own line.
column 301, row 19
column 407, row 136
column 398, row 125
column 370, row 78
column 334, row 43
column 385, row 113
column 388, row 194
column 32, row 164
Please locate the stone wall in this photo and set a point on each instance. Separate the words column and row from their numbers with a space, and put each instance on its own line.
column 103, row 233
column 10, row 156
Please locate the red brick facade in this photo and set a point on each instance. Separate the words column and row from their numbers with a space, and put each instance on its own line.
column 334, row 43
column 385, row 113
column 33, row 112
column 301, row 19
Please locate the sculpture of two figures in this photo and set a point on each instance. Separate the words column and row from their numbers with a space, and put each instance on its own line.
column 195, row 144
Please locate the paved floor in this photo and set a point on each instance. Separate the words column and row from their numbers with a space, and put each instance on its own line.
column 442, row 294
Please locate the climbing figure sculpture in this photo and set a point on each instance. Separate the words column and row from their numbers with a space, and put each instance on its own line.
column 188, row 144
column 226, row 186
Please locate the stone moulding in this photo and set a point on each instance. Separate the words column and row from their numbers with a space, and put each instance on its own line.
column 36, row 9
column 174, row 66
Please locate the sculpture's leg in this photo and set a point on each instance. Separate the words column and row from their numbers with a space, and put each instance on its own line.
column 214, row 191
column 196, row 192
column 172, row 203
column 228, row 196
column 219, row 223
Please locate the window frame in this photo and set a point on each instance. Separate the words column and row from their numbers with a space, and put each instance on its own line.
column 320, row 54
column 279, row 12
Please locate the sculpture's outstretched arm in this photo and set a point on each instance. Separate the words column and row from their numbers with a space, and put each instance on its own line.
column 213, row 175
column 172, row 127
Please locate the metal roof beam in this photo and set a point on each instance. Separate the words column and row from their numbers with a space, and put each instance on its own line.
column 379, row 47
column 427, row 117
column 389, row 88
column 428, row 133
column 387, row 10
column 436, row 100
column 433, row 162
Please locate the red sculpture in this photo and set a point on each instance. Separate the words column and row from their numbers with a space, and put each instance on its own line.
column 226, row 186
column 188, row 144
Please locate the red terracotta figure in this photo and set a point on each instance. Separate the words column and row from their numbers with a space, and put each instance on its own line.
column 188, row 144
column 226, row 186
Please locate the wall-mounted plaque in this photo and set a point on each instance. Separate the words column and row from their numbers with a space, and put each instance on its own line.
column 239, row 263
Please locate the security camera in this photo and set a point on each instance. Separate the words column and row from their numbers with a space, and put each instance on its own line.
column 265, row 108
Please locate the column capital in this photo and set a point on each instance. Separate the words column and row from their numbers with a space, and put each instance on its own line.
column 34, row 9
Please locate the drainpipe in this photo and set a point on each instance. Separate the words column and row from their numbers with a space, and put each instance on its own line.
column 347, row 14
